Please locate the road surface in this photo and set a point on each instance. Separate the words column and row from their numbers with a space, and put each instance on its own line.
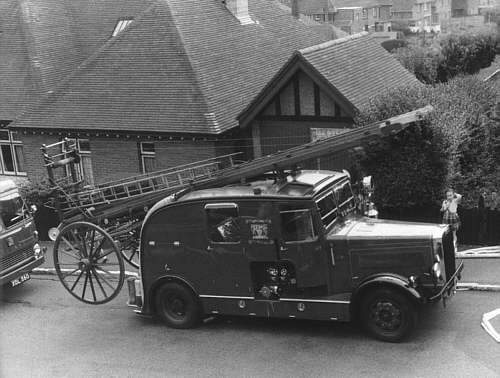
column 44, row 332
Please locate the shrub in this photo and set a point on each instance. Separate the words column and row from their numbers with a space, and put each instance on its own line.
column 458, row 145
column 449, row 56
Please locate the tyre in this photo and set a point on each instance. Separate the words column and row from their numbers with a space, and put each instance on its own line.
column 387, row 314
column 177, row 306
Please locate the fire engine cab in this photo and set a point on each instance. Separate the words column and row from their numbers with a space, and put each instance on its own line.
column 289, row 245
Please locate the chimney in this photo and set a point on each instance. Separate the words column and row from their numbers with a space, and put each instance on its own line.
column 295, row 8
column 239, row 9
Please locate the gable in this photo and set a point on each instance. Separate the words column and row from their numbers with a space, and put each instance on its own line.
column 301, row 96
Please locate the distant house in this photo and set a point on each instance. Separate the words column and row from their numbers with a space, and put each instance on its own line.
column 402, row 14
column 375, row 14
column 319, row 91
column 186, row 80
column 318, row 10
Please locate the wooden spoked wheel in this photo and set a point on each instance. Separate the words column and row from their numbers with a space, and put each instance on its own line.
column 88, row 263
column 128, row 242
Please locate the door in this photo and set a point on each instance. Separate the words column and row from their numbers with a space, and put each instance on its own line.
column 300, row 243
column 226, row 249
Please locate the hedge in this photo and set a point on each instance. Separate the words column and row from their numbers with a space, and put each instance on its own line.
column 458, row 145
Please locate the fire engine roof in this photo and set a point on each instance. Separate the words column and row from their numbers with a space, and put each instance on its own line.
column 305, row 183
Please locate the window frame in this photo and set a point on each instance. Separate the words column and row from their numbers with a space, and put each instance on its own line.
column 208, row 226
column 121, row 24
column 146, row 155
column 329, row 192
column 11, row 143
column 83, row 154
column 316, row 232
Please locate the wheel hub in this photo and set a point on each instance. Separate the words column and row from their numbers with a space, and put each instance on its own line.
column 386, row 316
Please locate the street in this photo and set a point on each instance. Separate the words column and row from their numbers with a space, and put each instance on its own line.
column 45, row 332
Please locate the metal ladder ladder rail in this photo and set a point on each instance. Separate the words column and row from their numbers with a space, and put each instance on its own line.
column 227, row 159
column 287, row 158
column 130, row 189
column 132, row 186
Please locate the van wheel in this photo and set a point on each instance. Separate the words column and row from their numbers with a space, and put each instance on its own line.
column 177, row 306
column 388, row 315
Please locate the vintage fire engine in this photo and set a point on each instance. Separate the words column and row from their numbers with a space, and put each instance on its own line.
column 261, row 238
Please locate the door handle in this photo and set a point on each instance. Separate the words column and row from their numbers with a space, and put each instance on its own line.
column 210, row 248
column 283, row 249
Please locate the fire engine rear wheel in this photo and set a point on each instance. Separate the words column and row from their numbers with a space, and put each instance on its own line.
column 387, row 314
column 88, row 263
column 177, row 306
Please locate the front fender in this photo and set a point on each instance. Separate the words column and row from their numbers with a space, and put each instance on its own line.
column 387, row 280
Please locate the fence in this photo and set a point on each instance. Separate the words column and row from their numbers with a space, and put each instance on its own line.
column 479, row 226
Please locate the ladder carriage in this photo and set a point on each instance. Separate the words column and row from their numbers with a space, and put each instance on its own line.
column 100, row 224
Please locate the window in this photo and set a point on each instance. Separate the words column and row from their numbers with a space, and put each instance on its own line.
column 222, row 222
column 147, row 152
column 84, row 168
column 365, row 13
column 345, row 196
column 327, row 209
column 375, row 12
column 297, row 225
column 11, row 153
column 121, row 24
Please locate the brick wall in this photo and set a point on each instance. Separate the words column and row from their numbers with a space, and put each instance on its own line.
column 115, row 158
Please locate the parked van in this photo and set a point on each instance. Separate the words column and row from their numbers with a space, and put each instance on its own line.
column 20, row 252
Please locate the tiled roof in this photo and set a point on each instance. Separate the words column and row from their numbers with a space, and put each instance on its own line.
column 183, row 66
column 358, row 67
column 42, row 41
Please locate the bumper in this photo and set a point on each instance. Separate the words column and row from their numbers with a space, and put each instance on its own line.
column 449, row 288
column 134, row 286
column 24, row 268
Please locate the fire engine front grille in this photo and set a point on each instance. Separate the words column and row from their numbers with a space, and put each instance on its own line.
column 449, row 253
column 15, row 258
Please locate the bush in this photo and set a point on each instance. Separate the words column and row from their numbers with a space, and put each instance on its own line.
column 449, row 56
column 458, row 145
column 393, row 44
column 36, row 192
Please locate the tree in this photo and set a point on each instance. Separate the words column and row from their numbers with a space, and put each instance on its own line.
column 458, row 145
column 449, row 56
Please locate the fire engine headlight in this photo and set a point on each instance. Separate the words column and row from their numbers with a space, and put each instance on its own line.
column 436, row 270
column 38, row 250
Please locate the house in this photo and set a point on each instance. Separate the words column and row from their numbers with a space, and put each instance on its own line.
column 187, row 80
column 375, row 14
column 164, row 90
column 41, row 43
column 317, row 10
column 318, row 92
column 402, row 14
column 350, row 19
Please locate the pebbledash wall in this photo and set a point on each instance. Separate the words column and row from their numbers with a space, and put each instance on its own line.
column 115, row 157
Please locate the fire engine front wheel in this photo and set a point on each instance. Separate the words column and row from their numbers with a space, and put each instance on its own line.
column 177, row 306
column 388, row 315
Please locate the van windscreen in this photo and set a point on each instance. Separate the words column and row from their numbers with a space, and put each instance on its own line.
column 11, row 211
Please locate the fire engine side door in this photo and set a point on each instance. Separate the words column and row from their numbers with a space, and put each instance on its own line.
column 226, row 249
column 300, row 243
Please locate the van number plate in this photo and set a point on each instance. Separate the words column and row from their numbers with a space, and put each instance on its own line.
column 20, row 280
